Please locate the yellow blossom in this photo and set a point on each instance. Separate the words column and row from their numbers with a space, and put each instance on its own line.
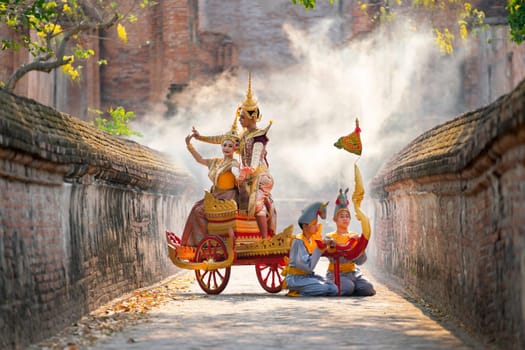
column 11, row 21
column 444, row 40
column 121, row 31
column 49, row 29
column 71, row 58
column 68, row 68
column 463, row 32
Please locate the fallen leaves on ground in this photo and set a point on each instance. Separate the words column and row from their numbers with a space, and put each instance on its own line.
column 116, row 315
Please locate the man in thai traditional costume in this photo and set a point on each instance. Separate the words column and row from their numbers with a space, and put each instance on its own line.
column 304, row 255
column 255, row 180
column 352, row 280
column 223, row 173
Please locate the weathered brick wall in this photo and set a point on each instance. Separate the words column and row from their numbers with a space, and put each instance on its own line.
column 165, row 47
column 257, row 27
column 183, row 41
column 450, row 218
column 82, row 218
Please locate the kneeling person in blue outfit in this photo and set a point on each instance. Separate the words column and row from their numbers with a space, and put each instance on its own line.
column 304, row 255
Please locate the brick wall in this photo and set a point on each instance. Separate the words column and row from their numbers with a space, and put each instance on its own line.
column 164, row 47
column 450, row 218
column 82, row 218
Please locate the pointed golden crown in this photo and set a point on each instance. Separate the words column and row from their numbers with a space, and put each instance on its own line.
column 250, row 103
column 232, row 134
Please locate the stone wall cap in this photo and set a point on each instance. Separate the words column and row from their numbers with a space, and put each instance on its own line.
column 29, row 127
column 450, row 147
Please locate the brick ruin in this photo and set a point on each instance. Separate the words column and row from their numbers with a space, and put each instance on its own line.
column 177, row 43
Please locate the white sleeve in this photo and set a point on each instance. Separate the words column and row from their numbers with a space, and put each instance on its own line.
column 258, row 148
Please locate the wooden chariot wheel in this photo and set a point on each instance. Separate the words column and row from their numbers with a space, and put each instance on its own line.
column 269, row 276
column 212, row 281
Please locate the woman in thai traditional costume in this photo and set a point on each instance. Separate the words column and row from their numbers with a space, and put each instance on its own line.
column 352, row 280
column 223, row 173
column 304, row 255
column 256, row 182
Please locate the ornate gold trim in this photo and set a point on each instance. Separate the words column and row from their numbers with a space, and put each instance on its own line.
column 206, row 265
column 222, row 209
column 278, row 244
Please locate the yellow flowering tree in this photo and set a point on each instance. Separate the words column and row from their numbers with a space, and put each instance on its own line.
column 516, row 19
column 468, row 17
column 53, row 32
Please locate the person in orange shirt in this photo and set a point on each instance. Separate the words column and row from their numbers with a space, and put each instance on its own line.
column 223, row 173
column 352, row 280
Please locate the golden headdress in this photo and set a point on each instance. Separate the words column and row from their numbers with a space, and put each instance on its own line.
column 250, row 103
column 232, row 134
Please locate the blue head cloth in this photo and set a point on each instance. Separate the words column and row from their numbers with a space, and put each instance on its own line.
column 309, row 213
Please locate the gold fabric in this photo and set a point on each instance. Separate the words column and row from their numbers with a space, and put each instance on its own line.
column 223, row 187
column 343, row 267
column 294, row 271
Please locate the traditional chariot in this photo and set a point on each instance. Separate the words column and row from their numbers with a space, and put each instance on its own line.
column 234, row 239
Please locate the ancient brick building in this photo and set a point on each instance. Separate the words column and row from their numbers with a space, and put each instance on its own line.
column 166, row 49
column 178, row 42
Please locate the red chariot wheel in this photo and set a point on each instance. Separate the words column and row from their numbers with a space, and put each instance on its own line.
column 269, row 276
column 212, row 248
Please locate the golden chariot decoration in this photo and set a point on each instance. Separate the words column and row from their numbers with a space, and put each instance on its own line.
column 224, row 214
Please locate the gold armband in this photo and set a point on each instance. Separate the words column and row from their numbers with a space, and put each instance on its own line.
column 190, row 147
column 217, row 139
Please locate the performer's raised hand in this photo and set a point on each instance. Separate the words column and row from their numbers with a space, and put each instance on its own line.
column 195, row 133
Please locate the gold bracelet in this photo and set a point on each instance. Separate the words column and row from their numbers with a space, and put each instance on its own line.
column 190, row 147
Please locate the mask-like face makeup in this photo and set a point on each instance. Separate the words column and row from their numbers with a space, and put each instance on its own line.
column 228, row 147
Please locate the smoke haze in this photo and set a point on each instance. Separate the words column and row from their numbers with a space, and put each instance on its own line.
column 388, row 81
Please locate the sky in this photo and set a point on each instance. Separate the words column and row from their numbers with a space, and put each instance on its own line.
column 394, row 82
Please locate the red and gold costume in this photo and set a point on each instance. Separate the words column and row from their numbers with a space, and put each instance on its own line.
column 224, row 186
column 255, row 191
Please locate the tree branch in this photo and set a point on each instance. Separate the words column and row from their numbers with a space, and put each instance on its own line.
column 41, row 63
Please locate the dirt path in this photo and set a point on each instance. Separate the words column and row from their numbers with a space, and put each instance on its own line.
column 244, row 316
